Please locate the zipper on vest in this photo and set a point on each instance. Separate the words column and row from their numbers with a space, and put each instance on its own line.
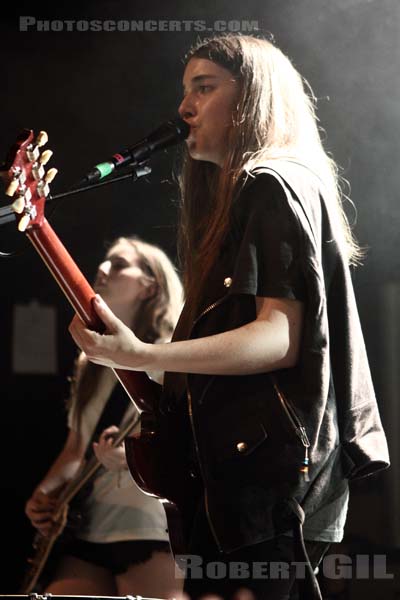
column 207, row 310
column 190, row 410
column 201, row 469
column 297, row 427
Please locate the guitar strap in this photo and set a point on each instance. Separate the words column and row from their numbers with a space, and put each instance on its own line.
column 113, row 412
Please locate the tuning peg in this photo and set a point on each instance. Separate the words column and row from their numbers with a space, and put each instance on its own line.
column 37, row 171
column 18, row 205
column 23, row 222
column 51, row 173
column 43, row 189
column 33, row 153
column 42, row 139
column 45, row 157
column 12, row 187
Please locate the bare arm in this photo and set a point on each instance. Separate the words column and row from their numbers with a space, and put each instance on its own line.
column 40, row 507
column 65, row 466
column 269, row 342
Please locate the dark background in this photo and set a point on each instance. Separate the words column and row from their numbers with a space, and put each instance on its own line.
column 99, row 92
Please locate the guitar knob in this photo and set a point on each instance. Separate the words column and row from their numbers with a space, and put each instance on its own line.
column 45, row 157
column 18, row 205
column 12, row 187
column 42, row 139
column 51, row 173
column 23, row 223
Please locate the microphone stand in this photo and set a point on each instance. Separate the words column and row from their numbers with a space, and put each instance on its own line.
column 7, row 213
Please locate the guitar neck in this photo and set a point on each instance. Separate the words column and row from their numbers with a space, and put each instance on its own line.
column 80, row 294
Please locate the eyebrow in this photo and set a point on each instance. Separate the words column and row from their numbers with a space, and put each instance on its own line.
column 114, row 256
column 200, row 78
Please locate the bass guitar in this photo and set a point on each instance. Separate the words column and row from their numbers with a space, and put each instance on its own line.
column 44, row 545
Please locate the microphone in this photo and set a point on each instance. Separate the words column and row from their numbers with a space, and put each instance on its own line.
column 168, row 134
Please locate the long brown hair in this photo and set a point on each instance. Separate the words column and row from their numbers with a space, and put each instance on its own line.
column 274, row 118
column 154, row 320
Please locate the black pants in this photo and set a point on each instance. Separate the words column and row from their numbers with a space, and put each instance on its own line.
column 267, row 571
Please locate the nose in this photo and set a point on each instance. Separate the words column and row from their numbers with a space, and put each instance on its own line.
column 104, row 268
column 187, row 108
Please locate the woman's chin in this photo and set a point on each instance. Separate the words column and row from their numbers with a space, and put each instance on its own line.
column 197, row 154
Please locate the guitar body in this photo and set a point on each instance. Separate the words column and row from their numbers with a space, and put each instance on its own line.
column 157, row 460
column 154, row 458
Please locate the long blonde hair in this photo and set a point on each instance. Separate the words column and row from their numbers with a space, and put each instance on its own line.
column 154, row 320
column 274, row 118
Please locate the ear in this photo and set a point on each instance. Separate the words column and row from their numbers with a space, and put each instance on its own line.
column 149, row 290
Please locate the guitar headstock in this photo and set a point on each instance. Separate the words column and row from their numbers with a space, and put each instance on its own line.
column 26, row 180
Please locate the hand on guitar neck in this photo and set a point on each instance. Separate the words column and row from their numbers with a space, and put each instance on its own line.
column 41, row 509
column 117, row 347
column 111, row 457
